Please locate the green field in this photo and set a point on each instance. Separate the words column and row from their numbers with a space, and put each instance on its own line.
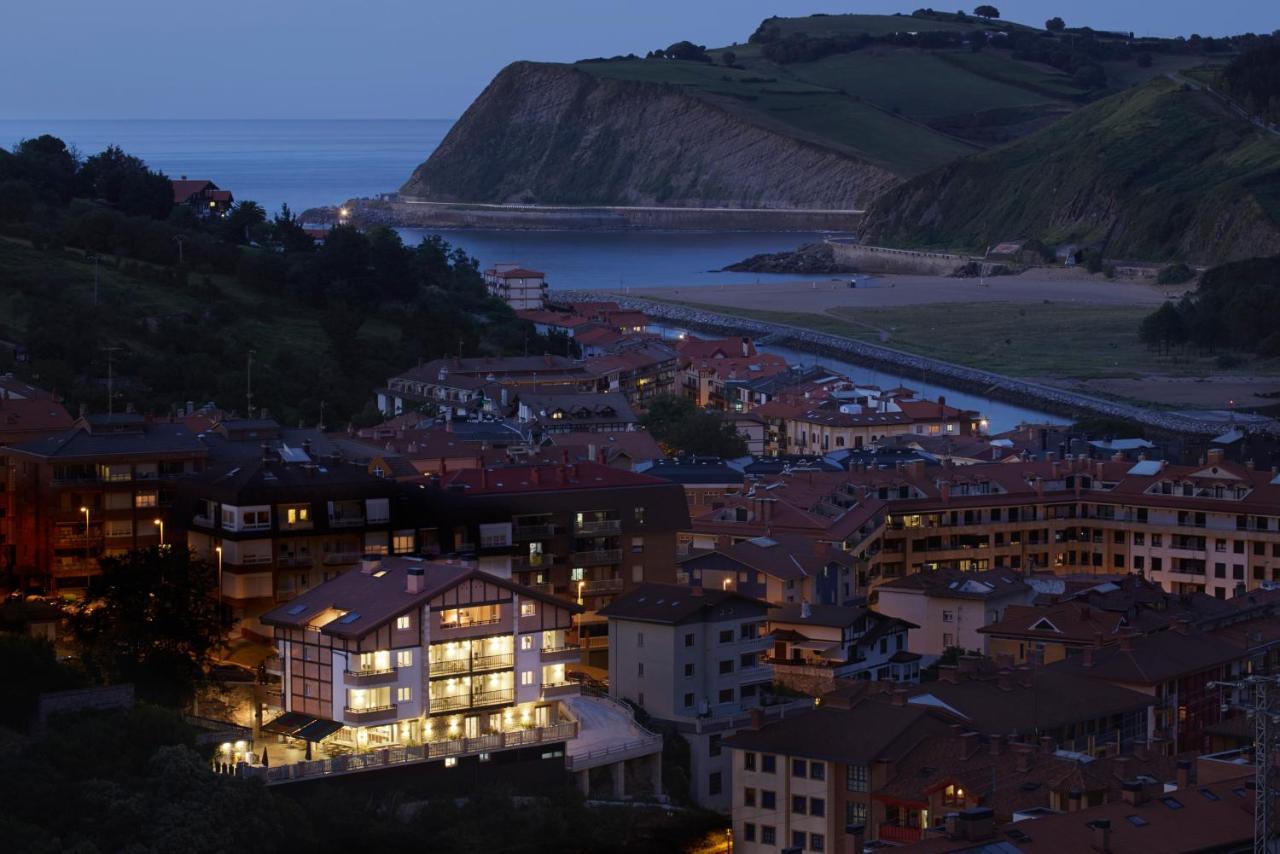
column 1032, row 340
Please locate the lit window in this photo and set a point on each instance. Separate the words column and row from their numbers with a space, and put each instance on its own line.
column 404, row 658
column 526, row 642
column 403, row 695
column 450, row 761
column 402, row 622
column 526, row 677
column 528, row 609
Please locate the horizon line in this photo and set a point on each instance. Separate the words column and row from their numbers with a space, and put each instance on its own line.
column 232, row 119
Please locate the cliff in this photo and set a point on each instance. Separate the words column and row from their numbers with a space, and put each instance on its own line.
column 1158, row 172
column 552, row 134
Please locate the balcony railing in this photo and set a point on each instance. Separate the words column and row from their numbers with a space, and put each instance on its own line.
column 449, row 666
column 449, row 703
column 370, row 714
column 603, row 585
column 466, row 624
column 895, row 833
column 599, row 526
column 492, row 698
column 371, row 677
column 597, row 557
column 474, row 700
column 333, row 558
column 295, row 562
column 346, row 521
column 493, row 662
column 524, row 533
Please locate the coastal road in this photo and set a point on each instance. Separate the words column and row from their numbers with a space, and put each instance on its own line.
column 623, row 208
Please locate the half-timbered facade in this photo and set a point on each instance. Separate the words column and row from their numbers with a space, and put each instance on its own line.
column 410, row 651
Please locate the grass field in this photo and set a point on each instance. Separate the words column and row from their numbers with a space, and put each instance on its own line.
column 1033, row 340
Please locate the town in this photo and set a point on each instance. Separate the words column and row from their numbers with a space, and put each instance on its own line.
column 869, row 620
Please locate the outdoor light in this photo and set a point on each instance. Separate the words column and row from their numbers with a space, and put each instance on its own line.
column 160, row 524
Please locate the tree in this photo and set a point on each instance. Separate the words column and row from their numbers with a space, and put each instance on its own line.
column 1163, row 328
column 728, row 58
column 687, row 50
column 1055, row 25
column 681, row 427
column 242, row 221
column 987, row 12
column 152, row 618
column 125, row 181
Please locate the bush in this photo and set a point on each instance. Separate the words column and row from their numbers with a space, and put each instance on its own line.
column 1175, row 274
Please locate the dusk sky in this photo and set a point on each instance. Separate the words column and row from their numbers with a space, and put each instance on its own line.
column 409, row 58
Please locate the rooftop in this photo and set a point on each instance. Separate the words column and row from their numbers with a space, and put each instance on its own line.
column 672, row 604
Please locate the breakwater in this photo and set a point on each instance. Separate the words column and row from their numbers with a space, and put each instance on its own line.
column 961, row 377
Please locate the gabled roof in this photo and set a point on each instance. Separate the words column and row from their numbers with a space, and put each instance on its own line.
column 672, row 604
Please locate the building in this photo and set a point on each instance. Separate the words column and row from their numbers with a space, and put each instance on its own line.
column 706, row 480
column 461, row 386
column 708, row 369
column 584, row 532
column 784, row 568
column 949, row 607
column 517, row 286
column 202, row 196
column 549, row 411
column 641, row 369
column 28, row 413
column 286, row 520
column 859, row 419
column 814, row 646
column 692, row 659
column 404, row 651
column 103, row 487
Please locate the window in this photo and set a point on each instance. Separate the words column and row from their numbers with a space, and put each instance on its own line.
column 799, row 768
column 817, row 771
column 639, row 515
column 748, row 761
column 688, row 701
column 856, row 778
column 577, row 574
column 817, row 807
column 747, row 659
column 816, row 840
column 768, row 835
column 726, row 696
column 637, row 545
column 713, row 745
column 726, row 666
column 640, row 669
column 526, row 677
column 855, row 813
column 948, row 641
column 953, row 795
column 146, row 499
column 298, row 515
column 528, row 609
column 768, row 800
column 526, row 642
column 688, row 670
column 403, row 621
column 402, row 544
column 948, row 616
column 688, row 639
column 769, row 763
column 404, row 694
column 640, row 640
column 714, row 783
column 748, row 797
column 799, row 803
column 749, row 832
column 798, row 838
column 404, row 658
column 726, row 636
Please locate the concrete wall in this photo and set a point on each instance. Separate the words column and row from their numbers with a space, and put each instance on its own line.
column 880, row 259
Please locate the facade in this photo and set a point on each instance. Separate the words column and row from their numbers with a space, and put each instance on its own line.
column 858, row 420
column 949, row 607
column 286, row 521
column 710, row 371
column 694, row 659
column 785, row 568
column 101, row 488
column 405, row 651
column 584, row 532
column 520, row 288
column 815, row 645
column 554, row 411
column 459, row 386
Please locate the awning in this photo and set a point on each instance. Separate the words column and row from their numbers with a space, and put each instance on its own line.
column 299, row 725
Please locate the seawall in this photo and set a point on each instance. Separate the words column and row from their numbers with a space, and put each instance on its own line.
column 881, row 259
column 961, row 377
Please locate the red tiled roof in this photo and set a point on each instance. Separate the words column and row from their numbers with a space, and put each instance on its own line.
column 184, row 189
column 517, row 273
column 546, row 478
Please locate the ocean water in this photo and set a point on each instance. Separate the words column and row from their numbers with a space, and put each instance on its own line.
column 323, row 162
column 306, row 163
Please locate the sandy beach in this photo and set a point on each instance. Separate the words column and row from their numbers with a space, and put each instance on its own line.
column 886, row 291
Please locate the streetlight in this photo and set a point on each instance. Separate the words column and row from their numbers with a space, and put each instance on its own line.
column 160, row 523
column 580, row 586
column 218, row 549
column 728, row 840
column 725, row 586
column 85, row 511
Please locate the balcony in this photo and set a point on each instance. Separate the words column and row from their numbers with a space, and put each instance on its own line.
column 335, row 558
column 597, row 557
column 551, row 690
column 600, row 526
column 525, row 533
column 564, row 652
column 503, row 661
column 895, row 833
column 371, row 677
column 346, row 521
column 493, row 698
column 476, row 700
column 449, row 666
column 296, row 562
column 370, row 715
column 599, row 586
column 450, row 703
column 468, row 623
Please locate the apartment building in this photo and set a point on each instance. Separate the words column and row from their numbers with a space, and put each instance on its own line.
column 517, row 286
column 404, row 651
column 641, row 369
column 948, row 607
column 816, row 645
column 287, row 520
column 784, row 568
column 709, row 371
column 462, row 385
column 691, row 658
column 101, row 488
column 803, row 426
column 585, row 532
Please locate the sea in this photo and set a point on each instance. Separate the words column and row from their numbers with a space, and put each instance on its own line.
column 311, row 163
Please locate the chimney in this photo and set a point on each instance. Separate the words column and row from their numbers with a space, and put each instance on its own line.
column 369, row 564
column 1215, row 456
column 819, row 547
column 1025, row 757
column 1101, row 835
column 944, row 491
column 413, row 581
column 995, row 744
column 967, row 744
column 806, row 610
column 977, row 824
column 899, row 697
column 1073, row 800
column 1134, row 792
column 1184, row 773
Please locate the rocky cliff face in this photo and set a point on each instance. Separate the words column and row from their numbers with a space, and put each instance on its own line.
column 551, row 134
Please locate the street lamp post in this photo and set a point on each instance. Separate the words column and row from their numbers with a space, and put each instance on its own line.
column 160, row 523
column 580, row 586
column 85, row 511
column 218, row 549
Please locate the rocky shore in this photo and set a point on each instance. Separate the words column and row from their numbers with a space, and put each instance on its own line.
column 811, row 259
column 1025, row 392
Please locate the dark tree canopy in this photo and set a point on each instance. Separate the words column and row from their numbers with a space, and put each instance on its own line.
column 682, row 428
column 988, row 12
column 1055, row 25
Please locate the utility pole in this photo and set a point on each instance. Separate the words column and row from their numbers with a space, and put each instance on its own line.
column 179, row 239
column 1255, row 696
column 110, row 381
column 248, row 387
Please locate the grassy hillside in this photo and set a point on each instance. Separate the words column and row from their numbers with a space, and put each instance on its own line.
column 907, row 109
column 1160, row 171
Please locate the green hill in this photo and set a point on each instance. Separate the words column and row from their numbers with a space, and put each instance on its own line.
column 1160, row 171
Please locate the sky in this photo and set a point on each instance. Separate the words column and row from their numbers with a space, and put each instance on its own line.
column 161, row 59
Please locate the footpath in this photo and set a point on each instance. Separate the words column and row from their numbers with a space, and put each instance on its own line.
column 962, row 377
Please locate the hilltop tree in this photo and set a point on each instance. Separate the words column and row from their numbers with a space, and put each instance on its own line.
column 987, row 12
column 1164, row 328
column 728, row 58
column 127, row 183
column 1055, row 25
column 688, row 51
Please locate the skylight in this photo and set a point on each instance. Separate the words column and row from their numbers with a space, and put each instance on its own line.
column 348, row 619
column 1172, row 803
column 296, row 610
column 1137, row 820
